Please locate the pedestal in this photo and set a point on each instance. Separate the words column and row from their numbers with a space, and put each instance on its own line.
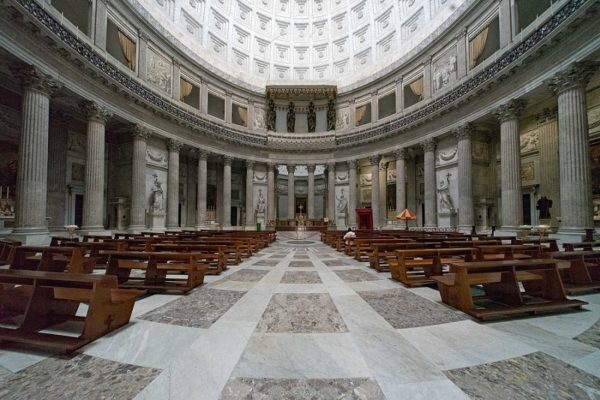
column 156, row 221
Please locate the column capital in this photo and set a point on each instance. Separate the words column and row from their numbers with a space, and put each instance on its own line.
column 311, row 168
column 94, row 111
column 401, row 154
column 250, row 164
column 227, row 160
column 375, row 159
column 31, row 78
column 202, row 154
column 291, row 169
column 577, row 74
column 383, row 166
column 464, row 131
column 331, row 166
column 428, row 144
column 352, row 164
column 510, row 110
column 140, row 132
column 546, row 115
column 174, row 146
column 272, row 166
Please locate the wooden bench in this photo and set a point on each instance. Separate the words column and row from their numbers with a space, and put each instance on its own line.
column 52, row 259
column 416, row 267
column 212, row 255
column 384, row 254
column 7, row 250
column 585, row 246
column 32, row 301
column 583, row 272
column 547, row 243
column 509, row 252
column 155, row 268
column 501, row 281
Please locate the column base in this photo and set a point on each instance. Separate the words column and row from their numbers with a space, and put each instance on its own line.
column 136, row 228
column 510, row 230
column 569, row 235
column 93, row 231
column 465, row 229
column 31, row 238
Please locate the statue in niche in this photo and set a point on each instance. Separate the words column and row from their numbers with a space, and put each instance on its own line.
column 331, row 115
column 544, row 205
column 446, row 204
column 260, row 203
column 342, row 203
column 271, row 116
column 157, row 195
column 312, row 117
column 291, row 117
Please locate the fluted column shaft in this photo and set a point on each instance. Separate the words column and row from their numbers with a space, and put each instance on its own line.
column 401, row 183
column 202, row 189
column 375, row 190
column 574, row 156
column 331, row 194
column 138, row 179
column 271, row 208
column 549, row 162
column 93, row 200
column 465, row 181
column 291, row 206
column 352, row 164
column 32, row 172
column 383, row 167
column 249, row 193
column 430, row 194
column 57, row 172
column 227, row 191
column 310, row 201
column 510, row 160
column 173, row 185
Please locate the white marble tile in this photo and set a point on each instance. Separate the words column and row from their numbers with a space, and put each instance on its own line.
column 151, row 302
column 297, row 355
column 569, row 323
column 16, row 360
column 301, row 288
column 464, row 343
column 589, row 363
column 373, row 285
column 145, row 343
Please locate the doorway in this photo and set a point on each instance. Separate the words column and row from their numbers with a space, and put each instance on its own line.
column 78, row 209
column 527, row 208
column 234, row 215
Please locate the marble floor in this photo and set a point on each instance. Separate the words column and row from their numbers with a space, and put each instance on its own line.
column 301, row 321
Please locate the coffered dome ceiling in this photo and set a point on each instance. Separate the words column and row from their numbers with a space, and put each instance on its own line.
column 255, row 42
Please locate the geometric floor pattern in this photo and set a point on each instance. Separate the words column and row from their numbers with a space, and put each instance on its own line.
column 301, row 321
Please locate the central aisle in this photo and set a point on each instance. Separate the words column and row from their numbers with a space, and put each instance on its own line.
column 302, row 321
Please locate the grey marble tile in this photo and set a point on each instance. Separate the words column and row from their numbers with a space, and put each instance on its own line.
column 300, row 257
column 301, row 264
column 335, row 263
column 279, row 256
column 198, row 309
column 302, row 389
column 77, row 377
column 591, row 336
column 301, row 313
column 301, row 277
column 403, row 309
column 247, row 275
column 267, row 263
column 355, row 275
column 535, row 376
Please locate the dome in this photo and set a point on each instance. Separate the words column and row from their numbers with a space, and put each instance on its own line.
column 257, row 42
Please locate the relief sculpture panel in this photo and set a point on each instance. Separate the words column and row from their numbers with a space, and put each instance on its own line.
column 159, row 71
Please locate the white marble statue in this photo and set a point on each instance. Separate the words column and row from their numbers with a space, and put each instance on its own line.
column 157, row 201
column 260, row 203
column 446, row 204
column 342, row 203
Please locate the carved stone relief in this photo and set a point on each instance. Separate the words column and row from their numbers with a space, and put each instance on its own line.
column 76, row 142
column 365, row 180
column 341, row 176
column 479, row 151
column 391, row 175
column 444, row 71
column 528, row 171
column 157, row 157
column 259, row 118
column 159, row 71
column 343, row 119
column 447, row 156
column 529, row 141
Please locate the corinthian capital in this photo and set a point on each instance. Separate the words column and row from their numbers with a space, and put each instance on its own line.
column 140, row 132
column 401, row 154
column 174, row 145
column 510, row 110
column 94, row 111
column 375, row 159
column 428, row 144
column 577, row 74
column 31, row 78
column 464, row 131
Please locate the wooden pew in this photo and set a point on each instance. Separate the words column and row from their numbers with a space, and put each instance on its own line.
column 509, row 252
column 52, row 259
column 500, row 280
column 416, row 267
column 583, row 272
column 384, row 254
column 155, row 267
column 549, row 244
column 585, row 246
column 7, row 250
column 212, row 255
column 31, row 301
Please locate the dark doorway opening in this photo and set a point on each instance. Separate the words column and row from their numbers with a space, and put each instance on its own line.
column 78, row 209
column 527, row 209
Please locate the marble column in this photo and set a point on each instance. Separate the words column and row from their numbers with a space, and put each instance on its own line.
column 465, row 180
column 310, row 201
column 401, row 183
column 271, row 208
column 383, row 168
column 202, row 189
column 173, row 184
column 510, row 161
column 291, row 207
column 250, row 194
column 57, row 171
column 352, row 187
column 549, row 161
column 32, row 173
column 573, row 139
column 331, row 194
column 375, row 189
column 430, row 195
column 93, row 199
column 227, row 160
column 137, row 221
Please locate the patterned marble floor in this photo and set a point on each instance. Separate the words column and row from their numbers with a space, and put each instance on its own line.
column 301, row 321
